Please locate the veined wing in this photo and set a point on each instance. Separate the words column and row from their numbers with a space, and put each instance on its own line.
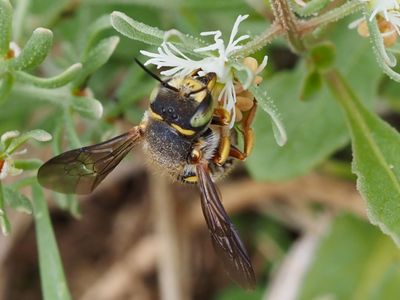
column 81, row 170
column 224, row 236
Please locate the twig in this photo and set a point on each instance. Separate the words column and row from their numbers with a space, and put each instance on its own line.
column 126, row 273
column 169, row 260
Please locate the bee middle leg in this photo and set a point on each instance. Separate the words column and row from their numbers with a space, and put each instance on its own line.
column 248, row 135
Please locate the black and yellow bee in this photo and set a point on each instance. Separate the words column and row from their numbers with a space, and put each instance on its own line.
column 185, row 135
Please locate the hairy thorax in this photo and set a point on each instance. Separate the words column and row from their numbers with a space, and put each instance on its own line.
column 166, row 149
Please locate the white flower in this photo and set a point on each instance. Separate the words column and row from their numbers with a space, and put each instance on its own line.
column 382, row 7
column 388, row 21
column 7, row 163
column 7, row 168
column 179, row 64
column 10, row 141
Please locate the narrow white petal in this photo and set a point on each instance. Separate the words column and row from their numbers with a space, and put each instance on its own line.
column 262, row 65
column 235, row 28
column 355, row 23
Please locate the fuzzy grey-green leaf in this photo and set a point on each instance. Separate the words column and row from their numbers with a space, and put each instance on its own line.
column 35, row 50
column 376, row 160
column 95, row 58
column 36, row 134
column 152, row 35
column 5, row 26
column 17, row 201
column 136, row 30
column 87, row 107
column 52, row 82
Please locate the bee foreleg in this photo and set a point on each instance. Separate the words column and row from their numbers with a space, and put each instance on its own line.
column 224, row 146
column 221, row 117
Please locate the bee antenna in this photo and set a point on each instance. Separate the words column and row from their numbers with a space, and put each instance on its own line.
column 155, row 76
column 148, row 71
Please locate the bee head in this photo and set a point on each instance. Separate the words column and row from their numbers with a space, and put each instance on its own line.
column 184, row 102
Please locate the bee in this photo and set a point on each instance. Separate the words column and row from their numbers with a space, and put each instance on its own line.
column 186, row 135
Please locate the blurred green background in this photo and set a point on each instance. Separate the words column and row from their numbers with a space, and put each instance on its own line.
column 296, row 206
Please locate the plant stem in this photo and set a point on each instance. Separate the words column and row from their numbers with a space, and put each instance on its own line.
column 257, row 43
column 70, row 131
column 21, row 9
column 53, row 96
column 385, row 60
column 4, row 222
column 339, row 88
column 54, row 285
column 302, row 28
column 284, row 15
column 331, row 16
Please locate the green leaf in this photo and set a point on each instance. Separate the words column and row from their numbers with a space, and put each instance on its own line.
column 54, row 285
column 354, row 261
column 4, row 222
column 87, row 107
column 17, row 201
column 35, row 50
column 376, row 160
column 53, row 82
column 151, row 35
column 95, row 29
column 5, row 26
column 323, row 55
column 96, row 57
column 315, row 128
column 311, row 86
column 36, row 134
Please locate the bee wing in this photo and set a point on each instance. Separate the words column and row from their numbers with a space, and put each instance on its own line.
column 225, row 239
column 81, row 170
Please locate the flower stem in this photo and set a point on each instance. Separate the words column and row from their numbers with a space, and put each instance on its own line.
column 385, row 60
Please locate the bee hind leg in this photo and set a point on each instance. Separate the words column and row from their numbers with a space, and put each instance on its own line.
column 247, row 131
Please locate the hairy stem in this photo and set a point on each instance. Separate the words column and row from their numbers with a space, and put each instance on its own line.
column 303, row 27
column 329, row 17
column 284, row 16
